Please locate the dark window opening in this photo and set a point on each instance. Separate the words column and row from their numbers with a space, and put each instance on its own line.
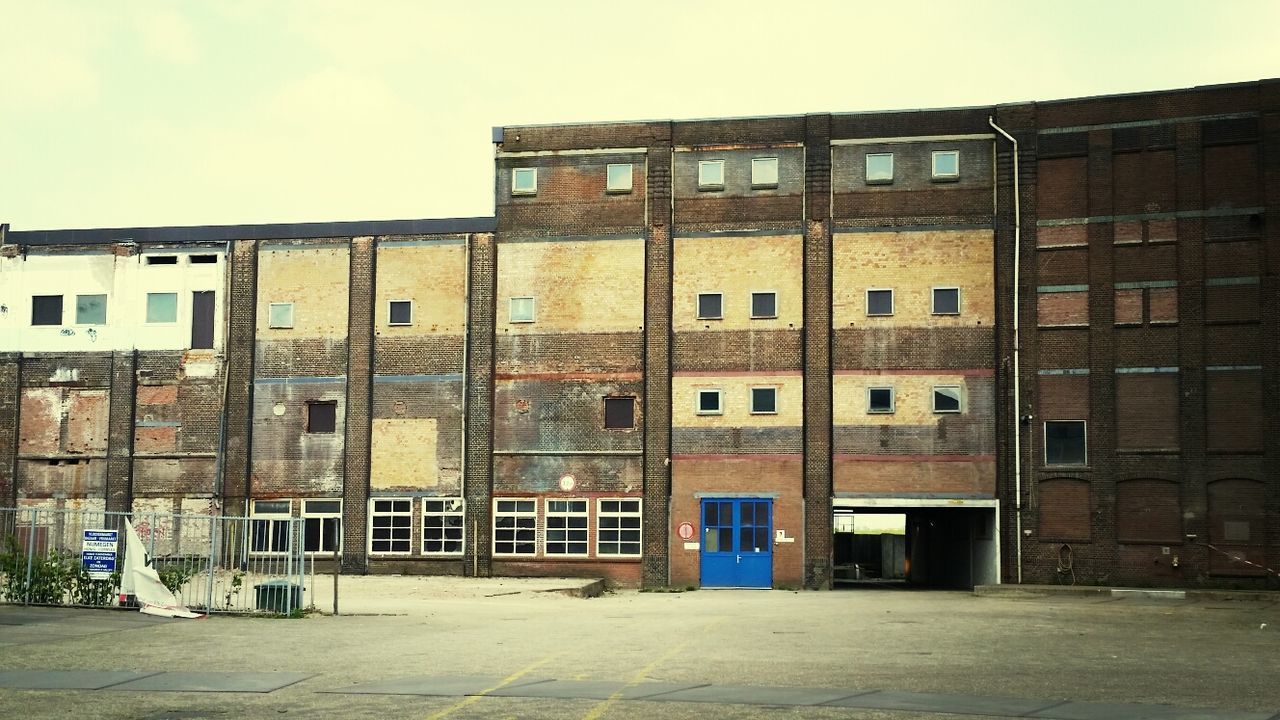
column 1064, row 442
column 879, row 302
column 709, row 306
column 322, row 417
column 764, row 400
column 203, row 259
column 162, row 260
column 46, row 310
column 764, row 305
column 880, row 400
column 401, row 312
column 202, row 320
column 619, row 413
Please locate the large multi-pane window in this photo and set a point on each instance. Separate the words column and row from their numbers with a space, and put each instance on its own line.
column 566, row 532
column 322, row 526
column 515, row 526
column 391, row 525
column 443, row 526
column 269, row 526
column 618, row 527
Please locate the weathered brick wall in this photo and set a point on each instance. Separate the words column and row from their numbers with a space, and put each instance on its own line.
column 357, row 428
column 241, row 342
column 10, row 396
column 658, row 268
column 478, row 451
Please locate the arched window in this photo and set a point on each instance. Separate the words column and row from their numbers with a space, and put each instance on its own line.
column 1237, row 527
column 1064, row 510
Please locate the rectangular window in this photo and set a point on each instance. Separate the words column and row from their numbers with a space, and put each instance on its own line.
column 91, row 309
column 391, row 526
column 879, row 302
column 442, row 526
column 946, row 301
column 202, row 312
column 522, row 310
column 709, row 402
column 515, row 527
column 269, row 526
column 710, row 306
column 879, row 168
column 162, row 307
column 46, row 310
column 880, row 400
column 618, row 178
column 566, row 532
column 322, row 526
column 524, row 181
column 764, row 172
column 618, row 527
column 946, row 164
column 400, row 312
column 280, row 315
column 1064, row 442
column 162, row 259
column 619, row 413
column 764, row 400
column 710, row 174
column 322, row 417
column 946, row 398
column 764, row 305
column 202, row 259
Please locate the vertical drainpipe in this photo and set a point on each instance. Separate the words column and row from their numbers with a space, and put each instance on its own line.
column 466, row 376
column 220, row 489
column 1017, row 371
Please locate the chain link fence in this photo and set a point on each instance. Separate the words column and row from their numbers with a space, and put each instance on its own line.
column 211, row 563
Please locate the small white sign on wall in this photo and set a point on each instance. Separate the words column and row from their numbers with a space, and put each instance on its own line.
column 780, row 536
column 691, row 546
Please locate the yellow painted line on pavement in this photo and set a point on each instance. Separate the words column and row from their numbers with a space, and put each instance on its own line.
column 501, row 683
column 599, row 710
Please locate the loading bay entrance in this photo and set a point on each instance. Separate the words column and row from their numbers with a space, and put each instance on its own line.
column 944, row 543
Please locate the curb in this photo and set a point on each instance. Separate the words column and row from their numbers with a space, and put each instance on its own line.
column 595, row 588
column 1027, row 591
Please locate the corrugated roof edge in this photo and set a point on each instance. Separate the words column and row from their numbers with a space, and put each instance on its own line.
column 274, row 231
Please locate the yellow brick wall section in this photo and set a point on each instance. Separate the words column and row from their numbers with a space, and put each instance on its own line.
column 737, row 267
column 577, row 286
column 735, row 401
column 434, row 277
column 913, row 399
column 912, row 264
column 315, row 280
column 404, row 454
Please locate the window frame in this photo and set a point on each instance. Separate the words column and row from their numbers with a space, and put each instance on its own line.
column 270, row 517
column 933, row 399
column 321, row 516
column 754, row 293
column 893, row 400
column 548, row 514
column 1044, row 429
column 892, row 302
column 511, row 309
column 105, row 298
column 933, row 299
column 62, row 311
column 619, row 515
column 697, row 310
column 443, row 513
column 752, row 401
column 147, row 309
column 271, row 320
column 516, row 172
column 321, row 403
column 697, row 401
column 392, row 513
column 866, row 169
column 605, row 410
column 391, row 312
column 763, row 185
column 612, row 189
column 703, row 184
column 517, row 515
column 933, row 166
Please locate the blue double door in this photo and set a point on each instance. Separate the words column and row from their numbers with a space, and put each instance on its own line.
column 737, row 545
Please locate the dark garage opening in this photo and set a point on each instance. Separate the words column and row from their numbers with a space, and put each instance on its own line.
column 938, row 547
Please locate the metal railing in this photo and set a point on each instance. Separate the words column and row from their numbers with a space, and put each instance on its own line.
column 211, row 563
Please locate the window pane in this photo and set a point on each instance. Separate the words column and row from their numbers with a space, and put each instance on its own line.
column 946, row 399
column 1064, row 442
column 880, row 400
column 709, row 306
column 401, row 312
column 619, row 178
column 322, row 417
column 162, row 307
column 764, row 400
column 524, row 181
column 91, row 309
column 46, row 310
column 619, row 413
column 521, row 309
column 879, row 167
column 946, row 163
column 879, row 302
column 764, row 305
column 280, row 315
column 764, row 172
column 709, row 401
column 711, row 173
column 319, row 507
column 946, row 301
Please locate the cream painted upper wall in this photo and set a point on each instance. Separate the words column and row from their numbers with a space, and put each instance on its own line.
column 735, row 400
column 434, row 277
column 587, row 286
column 735, row 267
column 912, row 264
column 315, row 279
column 913, row 398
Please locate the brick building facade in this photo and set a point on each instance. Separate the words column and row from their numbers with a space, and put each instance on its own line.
column 687, row 353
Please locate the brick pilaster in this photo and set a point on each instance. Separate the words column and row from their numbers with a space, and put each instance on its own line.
column 119, row 489
column 10, row 402
column 359, row 423
column 477, row 452
column 239, row 349
column 658, row 258
column 817, row 353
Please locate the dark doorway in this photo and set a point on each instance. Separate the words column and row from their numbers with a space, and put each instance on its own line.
column 202, row 320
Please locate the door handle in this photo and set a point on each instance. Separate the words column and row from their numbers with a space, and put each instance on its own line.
column 739, row 558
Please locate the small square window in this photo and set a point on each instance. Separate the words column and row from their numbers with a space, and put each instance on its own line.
column 946, row 399
column 710, row 174
column 46, row 310
column 322, row 417
column 946, row 301
column 946, row 164
column 280, row 315
column 91, row 309
column 879, row 168
column 880, row 400
column 1065, row 442
column 162, row 307
column 522, row 310
column 764, row 172
column 524, row 181
column 709, row 402
column 880, row 302
column 400, row 312
column 618, row 178
column 710, row 306
column 764, row 400
column 619, row 413
column 764, row 305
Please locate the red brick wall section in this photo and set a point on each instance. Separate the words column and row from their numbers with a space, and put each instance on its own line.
column 1234, row 410
column 1148, row 511
column 1064, row 510
column 1064, row 397
column 1055, row 309
column 1147, row 411
column 1060, row 182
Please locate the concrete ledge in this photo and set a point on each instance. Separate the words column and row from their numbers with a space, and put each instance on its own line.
column 1011, row 590
column 1016, row 591
column 589, row 589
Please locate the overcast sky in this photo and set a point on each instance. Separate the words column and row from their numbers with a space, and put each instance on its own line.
column 130, row 113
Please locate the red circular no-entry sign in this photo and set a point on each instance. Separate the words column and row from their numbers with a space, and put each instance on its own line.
column 685, row 531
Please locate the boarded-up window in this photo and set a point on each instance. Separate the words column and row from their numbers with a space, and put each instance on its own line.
column 1231, row 300
column 1148, row 511
column 1064, row 510
column 1237, row 527
column 1147, row 411
column 1056, row 307
column 1063, row 397
column 1233, row 400
column 1061, row 188
column 1231, row 176
column 1060, row 235
column 1129, row 307
column 1163, row 305
column 620, row 413
column 322, row 417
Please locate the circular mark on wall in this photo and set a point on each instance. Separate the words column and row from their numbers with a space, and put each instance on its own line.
column 278, row 409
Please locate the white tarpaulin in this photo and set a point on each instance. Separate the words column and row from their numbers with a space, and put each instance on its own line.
column 141, row 580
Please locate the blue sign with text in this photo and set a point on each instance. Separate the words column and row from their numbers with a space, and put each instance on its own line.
column 98, row 553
